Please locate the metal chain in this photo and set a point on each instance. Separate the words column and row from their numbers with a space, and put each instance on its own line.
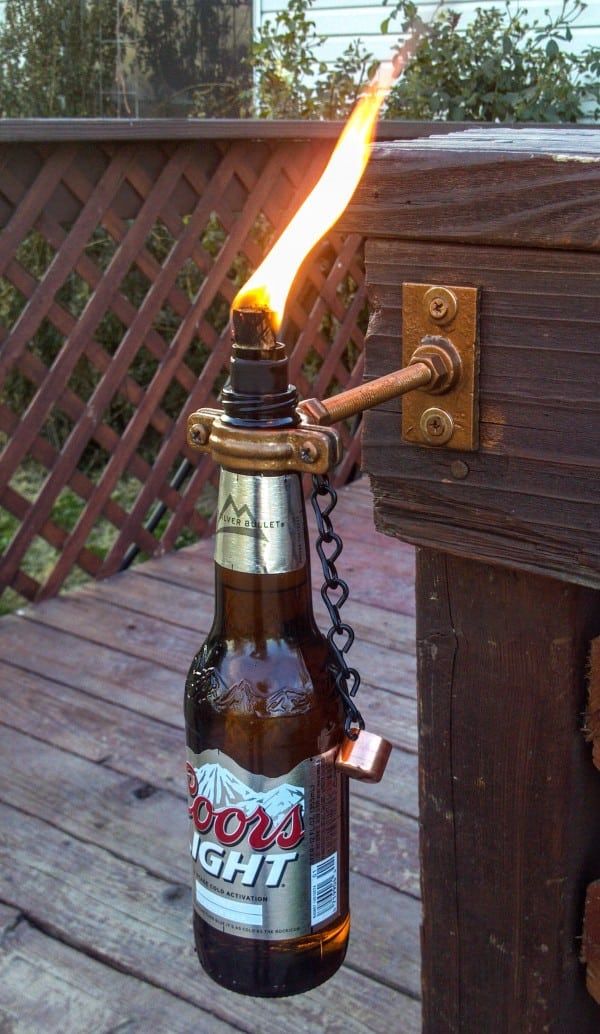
column 335, row 593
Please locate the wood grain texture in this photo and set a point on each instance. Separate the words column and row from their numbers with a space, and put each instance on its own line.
column 93, row 855
column 393, row 715
column 99, row 806
column 592, row 718
column 509, row 798
column 119, row 700
column 510, row 801
column 32, row 129
column 531, row 497
column 440, row 926
column 485, row 186
column 49, row 986
column 141, row 923
column 590, row 949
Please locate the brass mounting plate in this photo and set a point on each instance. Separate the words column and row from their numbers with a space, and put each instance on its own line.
column 449, row 312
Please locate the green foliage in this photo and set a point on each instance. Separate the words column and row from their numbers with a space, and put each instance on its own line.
column 193, row 56
column 56, row 58
column 339, row 85
column 69, row 58
column 291, row 80
column 500, row 67
column 284, row 60
column 41, row 557
column 60, row 58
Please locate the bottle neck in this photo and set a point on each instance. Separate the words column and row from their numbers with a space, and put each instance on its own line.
column 262, row 570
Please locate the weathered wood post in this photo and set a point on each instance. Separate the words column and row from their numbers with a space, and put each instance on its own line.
column 508, row 564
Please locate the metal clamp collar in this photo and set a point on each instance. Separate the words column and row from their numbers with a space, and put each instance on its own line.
column 306, row 449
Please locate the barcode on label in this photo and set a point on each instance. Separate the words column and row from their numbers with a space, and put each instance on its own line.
column 323, row 889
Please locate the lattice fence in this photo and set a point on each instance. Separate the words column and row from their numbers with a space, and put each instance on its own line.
column 118, row 265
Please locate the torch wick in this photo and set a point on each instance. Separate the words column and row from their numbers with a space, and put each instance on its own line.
column 253, row 330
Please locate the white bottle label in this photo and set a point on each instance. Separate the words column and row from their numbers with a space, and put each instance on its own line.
column 265, row 851
column 259, row 523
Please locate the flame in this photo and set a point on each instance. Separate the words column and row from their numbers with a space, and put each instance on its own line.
column 269, row 286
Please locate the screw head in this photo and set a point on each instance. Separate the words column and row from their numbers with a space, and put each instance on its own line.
column 198, row 434
column 436, row 426
column 308, row 452
column 438, row 308
column 440, row 304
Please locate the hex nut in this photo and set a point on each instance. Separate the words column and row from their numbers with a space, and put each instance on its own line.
column 443, row 360
column 439, row 370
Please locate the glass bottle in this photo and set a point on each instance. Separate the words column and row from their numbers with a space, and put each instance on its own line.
column 268, row 808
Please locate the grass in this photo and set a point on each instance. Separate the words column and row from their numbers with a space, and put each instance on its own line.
column 41, row 557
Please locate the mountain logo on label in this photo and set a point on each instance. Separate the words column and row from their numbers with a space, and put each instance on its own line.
column 224, row 790
column 238, row 520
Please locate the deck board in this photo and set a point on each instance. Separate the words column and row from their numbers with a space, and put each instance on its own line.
column 94, row 879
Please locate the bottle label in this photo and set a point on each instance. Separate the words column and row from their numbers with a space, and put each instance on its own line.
column 265, row 851
column 260, row 527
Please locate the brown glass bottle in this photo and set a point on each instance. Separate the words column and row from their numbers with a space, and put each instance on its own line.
column 268, row 807
column 261, row 691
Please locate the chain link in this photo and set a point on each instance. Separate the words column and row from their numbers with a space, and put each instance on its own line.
column 334, row 592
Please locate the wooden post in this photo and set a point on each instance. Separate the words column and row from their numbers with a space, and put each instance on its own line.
column 508, row 569
column 509, row 802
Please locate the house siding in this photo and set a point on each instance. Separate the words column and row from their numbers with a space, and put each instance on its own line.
column 343, row 21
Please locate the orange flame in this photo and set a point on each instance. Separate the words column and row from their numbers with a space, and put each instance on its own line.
column 269, row 286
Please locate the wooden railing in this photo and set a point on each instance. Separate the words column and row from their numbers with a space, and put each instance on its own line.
column 122, row 248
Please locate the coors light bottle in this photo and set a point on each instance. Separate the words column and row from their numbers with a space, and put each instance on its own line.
column 268, row 808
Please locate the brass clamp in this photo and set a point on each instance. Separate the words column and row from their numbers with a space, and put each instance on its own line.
column 306, row 449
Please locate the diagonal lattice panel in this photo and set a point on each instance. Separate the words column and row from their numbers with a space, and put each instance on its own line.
column 33, row 368
column 235, row 242
column 119, row 265
column 177, row 349
column 63, row 367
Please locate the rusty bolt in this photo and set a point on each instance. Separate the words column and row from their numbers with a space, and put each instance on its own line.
column 442, row 359
column 437, row 426
column 438, row 308
column 198, row 434
column 308, row 452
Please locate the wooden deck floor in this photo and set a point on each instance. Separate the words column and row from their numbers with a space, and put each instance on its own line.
column 95, row 927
